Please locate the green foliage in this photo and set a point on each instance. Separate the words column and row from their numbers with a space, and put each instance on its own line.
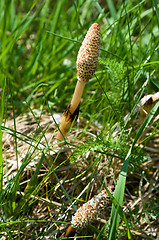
column 39, row 42
column 2, row 109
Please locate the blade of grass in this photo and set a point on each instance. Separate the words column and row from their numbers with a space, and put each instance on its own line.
column 65, row 192
column 57, row 12
column 121, row 213
column 157, row 13
column 1, row 120
column 120, row 187
column 30, row 188
column 19, row 31
column 112, row 9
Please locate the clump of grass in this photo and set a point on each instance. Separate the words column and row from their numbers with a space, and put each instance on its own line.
column 38, row 47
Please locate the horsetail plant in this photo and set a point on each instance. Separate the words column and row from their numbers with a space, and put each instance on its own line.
column 86, row 64
column 146, row 105
column 89, row 212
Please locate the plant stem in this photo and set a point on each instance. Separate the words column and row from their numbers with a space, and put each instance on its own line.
column 77, row 96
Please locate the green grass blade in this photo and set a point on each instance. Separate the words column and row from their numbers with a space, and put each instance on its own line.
column 119, row 195
column 1, row 120
column 112, row 9
column 18, row 32
column 146, row 122
column 31, row 187
column 122, row 215
column 120, row 187
column 157, row 12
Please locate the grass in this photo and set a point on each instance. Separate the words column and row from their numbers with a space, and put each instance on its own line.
column 39, row 42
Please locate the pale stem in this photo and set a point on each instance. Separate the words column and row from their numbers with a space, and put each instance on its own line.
column 155, row 97
column 60, row 135
column 65, row 125
column 63, row 129
column 77, row 96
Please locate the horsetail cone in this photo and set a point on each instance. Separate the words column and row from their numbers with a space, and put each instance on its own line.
column 91, row 210
column 87, row 61
column 88, row 54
